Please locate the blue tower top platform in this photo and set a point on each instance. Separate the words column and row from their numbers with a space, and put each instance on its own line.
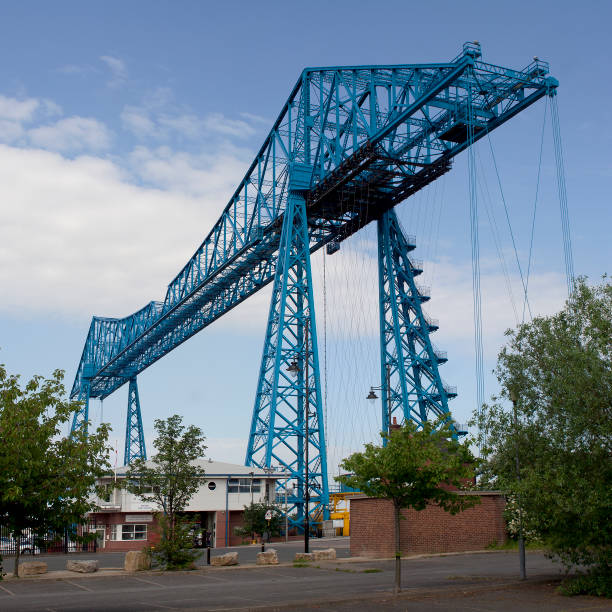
column 355, row 140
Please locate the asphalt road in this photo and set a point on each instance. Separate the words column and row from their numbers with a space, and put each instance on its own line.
column 246, row 554
column 456, row 582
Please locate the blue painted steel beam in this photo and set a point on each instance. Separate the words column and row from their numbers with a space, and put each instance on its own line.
column 134, row 435
column 365, row 138
column 411, row 382
column 289, row 387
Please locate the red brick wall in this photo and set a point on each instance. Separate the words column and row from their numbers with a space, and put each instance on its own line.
column 235, row 520
column 430, row 531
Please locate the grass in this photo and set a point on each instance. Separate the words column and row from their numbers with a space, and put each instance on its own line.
column 513, row 545
column 372, row 570
column 300, row 564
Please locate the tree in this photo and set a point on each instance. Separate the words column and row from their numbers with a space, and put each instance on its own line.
column 414, row 469
column 558, row 370
column 254, row 520
column 169, row 481
column 46, row 480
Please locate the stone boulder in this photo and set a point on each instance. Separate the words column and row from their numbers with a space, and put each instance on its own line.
column 32, row 568
column 230, row 558
column 136, row 560
column 81, row 566
column 324, row 554
column 303, row 557
column 269, row 557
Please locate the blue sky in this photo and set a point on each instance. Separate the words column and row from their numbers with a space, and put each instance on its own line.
column 124, row 127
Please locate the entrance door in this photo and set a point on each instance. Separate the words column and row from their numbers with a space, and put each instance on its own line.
column 100, row 540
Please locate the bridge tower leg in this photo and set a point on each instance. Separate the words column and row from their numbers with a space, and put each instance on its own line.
column 287, row 423
column 411, row 383
column 134, row 434
column 80, row 419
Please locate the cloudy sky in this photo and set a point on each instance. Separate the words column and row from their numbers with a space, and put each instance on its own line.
column 124, row 128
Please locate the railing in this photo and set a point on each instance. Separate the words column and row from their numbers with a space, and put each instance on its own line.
column 70, row 540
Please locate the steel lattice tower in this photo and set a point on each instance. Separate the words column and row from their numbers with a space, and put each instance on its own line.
column 411, row 383
column 289, row 389
column 134, row 434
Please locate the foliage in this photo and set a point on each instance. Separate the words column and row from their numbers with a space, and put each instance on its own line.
column 175, row 548
column 46, row 480
column 169, row 481
column 594, row 583
column 558, row 369
column 254, row 520
column 415, row 468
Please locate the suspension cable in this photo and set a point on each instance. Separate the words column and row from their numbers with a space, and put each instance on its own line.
column 535, row 208
column 501, row 191
column 565, row 223
column 475, row 264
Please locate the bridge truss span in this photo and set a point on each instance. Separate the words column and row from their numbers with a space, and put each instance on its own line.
column 349, row 144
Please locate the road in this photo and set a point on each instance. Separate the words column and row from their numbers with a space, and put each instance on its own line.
column 432, row 583
column 246, row 554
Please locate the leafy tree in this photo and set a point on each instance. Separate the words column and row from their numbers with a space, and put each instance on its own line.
column 414, row 469
column 254, row 520
column 558, row 370
column 169, row 481
column 46, row 480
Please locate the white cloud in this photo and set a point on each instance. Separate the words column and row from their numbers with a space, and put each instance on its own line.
column 137, row 121
column 72, row 134
column 219, row 123
column 18, row 110
column 77, row 237
column 118, row 69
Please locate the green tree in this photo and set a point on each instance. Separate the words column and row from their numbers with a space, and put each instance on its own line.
column 46, row 480
column 414, row 469
column 169, row 481
column 558, row 370
column 254, row 520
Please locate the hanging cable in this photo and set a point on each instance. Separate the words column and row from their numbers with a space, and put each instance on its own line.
column 475, row 263
column 565, row 223
column 535, row 208
column 501, row 191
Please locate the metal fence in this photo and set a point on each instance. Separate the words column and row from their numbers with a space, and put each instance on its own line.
column 69, row 540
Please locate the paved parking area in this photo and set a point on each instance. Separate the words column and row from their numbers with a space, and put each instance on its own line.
column 458, row 582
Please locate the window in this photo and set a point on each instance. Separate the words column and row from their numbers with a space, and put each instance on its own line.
column 243, row 485
column 212, row 485
column 128, row 532
column 133, row 532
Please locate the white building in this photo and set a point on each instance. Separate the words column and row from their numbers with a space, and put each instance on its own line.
column 124, row 521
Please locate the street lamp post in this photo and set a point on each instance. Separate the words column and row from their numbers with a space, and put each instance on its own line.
column 514, row 399
column 294, row 369
column 373, row 397
column 289, row 491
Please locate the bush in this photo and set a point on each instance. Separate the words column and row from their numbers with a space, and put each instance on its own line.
column 594, row 583
column 175, row 549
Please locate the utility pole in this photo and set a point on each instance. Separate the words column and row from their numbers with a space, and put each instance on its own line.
column 513, row 399
column 306, row 445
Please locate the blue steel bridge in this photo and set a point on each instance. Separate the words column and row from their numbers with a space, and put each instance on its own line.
column 349, row 144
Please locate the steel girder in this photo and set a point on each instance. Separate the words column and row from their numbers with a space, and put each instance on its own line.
column 134, row 435
column 287, row 424
column 411, row 383
column 363, row 138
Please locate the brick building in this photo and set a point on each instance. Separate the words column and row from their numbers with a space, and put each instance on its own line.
column 123, row 521
column 429, row 531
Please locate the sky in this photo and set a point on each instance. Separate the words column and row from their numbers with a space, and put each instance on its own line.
column 125, row 127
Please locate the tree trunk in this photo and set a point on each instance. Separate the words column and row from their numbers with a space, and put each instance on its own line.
column 17, row 539
column 398, row 555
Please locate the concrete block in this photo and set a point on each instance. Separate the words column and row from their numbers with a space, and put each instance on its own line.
column 230, row 558
column 136, row 560
column 82, row 566
column 303, row 557
column 269, row 557
column 32, row 568
column 325, row 554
